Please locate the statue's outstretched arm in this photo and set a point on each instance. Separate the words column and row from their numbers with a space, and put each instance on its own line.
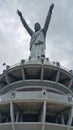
column 30, row 31
column 48, row 18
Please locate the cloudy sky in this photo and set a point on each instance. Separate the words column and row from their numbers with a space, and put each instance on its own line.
column 14, row 39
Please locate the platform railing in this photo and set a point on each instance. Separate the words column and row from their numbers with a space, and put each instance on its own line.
column 55, row 64
column 36, row 95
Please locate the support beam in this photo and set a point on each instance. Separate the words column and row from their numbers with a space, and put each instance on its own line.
column 22, row 69
column 17, row 116
column 70, row 83
column 12, row 115
column 0, row 118
column 58, row 75
column 1, row 86
column 42, row 72
column 19, row 113
column 62, row 119
column 21, row 118
column 44, row 115
column 57, row 121
column 41, row 113
column 70, row 116
column 7, row 77
column 18, row 108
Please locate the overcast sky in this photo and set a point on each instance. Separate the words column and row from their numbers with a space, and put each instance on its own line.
column 14, row 39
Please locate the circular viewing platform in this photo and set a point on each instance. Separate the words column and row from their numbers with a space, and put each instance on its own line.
column 37, row 75
column 36, row 94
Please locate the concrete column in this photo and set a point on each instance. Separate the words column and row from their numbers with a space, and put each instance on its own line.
column 21, row 118
column 70, row 116
column 58, row 75
column 7, row 78
column 12, row 115
column 1, row 85
column 17, row 116
column 40, row 114
column 57, row 120
column 22, row 69
column 0, row 118
column 70, row 83
column 42, row 72
column 7, row 119
column 44, row 115
column 62, row 119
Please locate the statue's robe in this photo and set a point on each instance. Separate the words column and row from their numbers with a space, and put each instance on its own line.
column 37, row 44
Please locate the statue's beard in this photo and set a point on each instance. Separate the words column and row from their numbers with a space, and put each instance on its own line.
column 37, row 29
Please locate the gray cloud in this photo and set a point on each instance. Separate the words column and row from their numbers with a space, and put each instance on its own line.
column 14, row 40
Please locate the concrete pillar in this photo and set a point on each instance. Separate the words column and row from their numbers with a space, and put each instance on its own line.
column 44, row 111
column 22, row 69
column 7, row 119
column 1, row 85
column 70, row 83
column 42, row 72
column 58, row 75
column 21, row 118
column 44, row 115
column 57, row 120
column 7, row 78
column 0, row 118
column 40, row 113
column 17, row 116
column 12, row 115
column 62, row 119
column 70, row 116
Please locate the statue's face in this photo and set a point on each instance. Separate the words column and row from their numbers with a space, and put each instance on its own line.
column 37, row 27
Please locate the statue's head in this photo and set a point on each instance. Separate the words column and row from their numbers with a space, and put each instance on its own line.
column 37, row 27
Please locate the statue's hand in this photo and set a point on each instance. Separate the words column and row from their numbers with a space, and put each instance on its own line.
column 51, row 7
column 19, row 13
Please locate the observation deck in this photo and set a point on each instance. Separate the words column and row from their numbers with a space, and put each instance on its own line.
column 36, row 94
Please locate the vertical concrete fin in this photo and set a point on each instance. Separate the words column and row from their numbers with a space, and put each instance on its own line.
column 7, row 78
column 57, row 76
column 62, row 119
column 70, row 83
column 44, row 115
column 70, row 116
column 12, row 115
column 22, row 69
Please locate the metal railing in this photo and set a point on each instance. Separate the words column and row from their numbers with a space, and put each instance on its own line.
column 35, row 61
